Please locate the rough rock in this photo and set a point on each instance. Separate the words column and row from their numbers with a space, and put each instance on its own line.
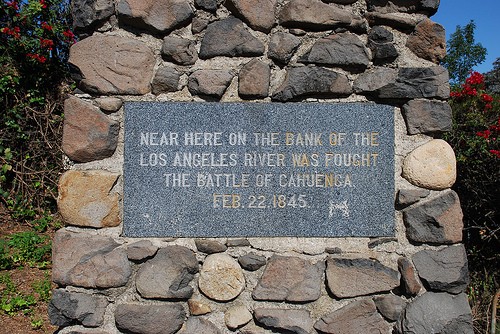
column 438, row 221
column 168, row 274
column 165, row 80
column 149, row 319
column 252, row 261
column 402, row 22
column 89, row 261
column 431, row 166
column 374, row 242
column 443, row 270
column 88, row 134
column 428, row 41
column 437, row 313
column 375, row 79
column 199, row 24
column 86, row 198
column 179, row 50
column 411, row 282
column 237, row 243
column 113, row 65
column 371, row 277
column 109, row 104
column 258, row 14
column 357, row 317
column 237, row 41
column 343, row 2
column 198, row 307
column 199, row 325
column 208, row 5
column 157, row 16
column 209, row 246
column 253, row 80
column 237, row 316
column 343, row 50
column 301, row 82
column 428, row 7
column 221, row 277
column 381, row 42
column 313, row 14
column 282, row 46
column 67, row 308
column 86, row 13
column 291, row 321
column 410, row 196
column 290, row 279
column 209, row 82
column 427, row 116
column 141, row 250
column 390, row 306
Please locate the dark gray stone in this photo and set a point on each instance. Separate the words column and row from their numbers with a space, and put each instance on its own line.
column 380, row 241
column 179, row 50
column 343, row 50
column 282, row 46
column 313, row 14
column 380, row 41
column 437, row 313
column 209, row 246
column 428, row 41
column 405, row 23
column 428, row 7
column 438, row 221
column 149, row 319
column 253, row 80
column 237, row 41
column 290, row 279
column 141, row 250
column 301, row 82
column 371, row 80
column 411, row 196
column 165, row 80
column 356, row 317
column 199, row 325
column 237, row 243
column 428, row 117
column 199, row 24
column 390, row 306
column 209, row 82
column 86, row 13
column 258, row 14
column 291, row 321
column 252, row 261
column 443, row 270
column 69, row 308
column 411, row 282
column 208, row 5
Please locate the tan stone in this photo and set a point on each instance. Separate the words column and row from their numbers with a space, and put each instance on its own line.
column 85, row 198
column 237, row 316
column 198, row 307
column 431, row 166
column 428, row 41
column 221, row 277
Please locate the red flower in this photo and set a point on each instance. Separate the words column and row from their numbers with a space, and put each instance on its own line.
column 44, row 5
column 37, row 57
column 495, row 153
column 475, row 78
column 484, row 134
column 47, row 43
column 69, row 35
column 46, row 26
column 12, row 32
column 486, row 98
column 13, row 4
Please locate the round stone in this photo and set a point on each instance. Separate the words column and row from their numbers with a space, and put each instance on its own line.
column 431, row 166
column 221, row 278
column 237, row 316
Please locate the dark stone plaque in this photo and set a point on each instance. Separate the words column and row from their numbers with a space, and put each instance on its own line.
column 258, row 169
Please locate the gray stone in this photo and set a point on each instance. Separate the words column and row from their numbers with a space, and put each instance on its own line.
column 291, row 321
column 411, row 282
column 371, row 277
column 343, row 50
column 165, row 80
column 149, row 319
column 168, row 274
column 237, row 316
column 438, row 221
column 68, row 308
column 428, row 41
column 410, row 196
column 290, row 279
column 390, row 306
column 427, row 116
column 221, row 278
column 437, row 313
column 208, row 5
column 209, row 246
column 86, row 13
column 89, row 261
column 253, row 80
column 301, row 82
column 380, row 241
column 199, row 24
column 88, row 134
column 199, row 325
column 88, row 331
column 109, row 104
column 252, row 261
column 209, row 82
column 356, row 317
column 258, row 14
column 237, row 243
column 313, row 14
column 179, row 50
column 443, row 270
column 342, row 2
column 237, row 41
column 380, row 41
column 282, row 46
column 198, row 307
column 428, row 7
column 141, row 250
column 113, row 65
column 405, row 23
column 375, row 79
column 158, row 16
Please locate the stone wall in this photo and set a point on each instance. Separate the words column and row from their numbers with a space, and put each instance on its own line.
column 374, row 51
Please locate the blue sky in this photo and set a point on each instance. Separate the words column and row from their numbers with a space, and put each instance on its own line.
column 486, row 15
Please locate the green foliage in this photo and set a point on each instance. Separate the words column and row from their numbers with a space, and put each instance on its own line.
column 30, row 248
column 492, row 78
column 43, row 288
column 12, row 301
column 463, row 53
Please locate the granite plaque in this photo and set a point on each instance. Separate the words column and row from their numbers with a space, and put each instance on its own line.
column 258, row 169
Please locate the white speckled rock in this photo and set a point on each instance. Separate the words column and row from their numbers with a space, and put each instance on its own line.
column 431, row 166
column 221, row 277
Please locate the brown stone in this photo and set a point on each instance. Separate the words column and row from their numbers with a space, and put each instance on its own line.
column 390, row 306
column 113, row 65
column 402, row 22
column 149, row 319
column 282, row 46
column 141, row 250
column 85, row 198
column 428, row 41
column 288, row 320
column 199, row 325
column 253, row 80
column 209, row 82
column 88, row 134
column 166, row 80
column 209, row 246
column 109, row 104
column 258, row 14
column 198, row 307
column 427, row 116
column 237, row 316
column 313, row 14
column 221, row 277
column 179, row 50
